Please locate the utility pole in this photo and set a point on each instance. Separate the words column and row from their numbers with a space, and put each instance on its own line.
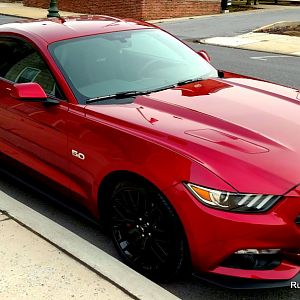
column 53, row 9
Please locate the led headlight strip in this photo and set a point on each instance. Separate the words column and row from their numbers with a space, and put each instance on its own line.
column 232, row 201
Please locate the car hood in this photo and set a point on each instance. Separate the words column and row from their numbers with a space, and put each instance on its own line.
column 245, row 131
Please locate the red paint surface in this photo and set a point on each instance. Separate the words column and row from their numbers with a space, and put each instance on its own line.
column 233, row 134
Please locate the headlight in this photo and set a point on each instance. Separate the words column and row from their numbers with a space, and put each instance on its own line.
column 232, row 201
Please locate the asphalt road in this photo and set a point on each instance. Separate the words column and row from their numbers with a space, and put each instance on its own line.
column 276, row 68
column 8, row 19
column 283, row 70
column 187, row 289
column 229, row 24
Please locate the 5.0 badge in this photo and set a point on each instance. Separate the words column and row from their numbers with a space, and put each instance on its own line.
column 78, row 154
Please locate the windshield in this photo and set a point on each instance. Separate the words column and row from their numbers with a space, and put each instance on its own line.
column 135, row 60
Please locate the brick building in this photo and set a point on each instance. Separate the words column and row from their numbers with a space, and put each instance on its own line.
column 137, row 9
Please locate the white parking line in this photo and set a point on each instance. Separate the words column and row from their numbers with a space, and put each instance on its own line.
column 99, row 261
column 268, row 56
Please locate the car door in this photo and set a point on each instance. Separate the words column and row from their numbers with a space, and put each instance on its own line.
column 33, row 133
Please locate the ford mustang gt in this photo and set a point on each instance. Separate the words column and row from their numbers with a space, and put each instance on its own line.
column 187, row 167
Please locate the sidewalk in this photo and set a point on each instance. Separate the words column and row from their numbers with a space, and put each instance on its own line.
column 258, row 7
column 32, row 268
column 19, row 10
column 265, row 42
column 41, row 259
column 234, row 30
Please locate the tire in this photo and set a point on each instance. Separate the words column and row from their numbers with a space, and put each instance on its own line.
column 146, row 231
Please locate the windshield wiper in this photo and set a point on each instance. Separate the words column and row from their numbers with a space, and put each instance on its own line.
column 122, row 95
column 183, row 82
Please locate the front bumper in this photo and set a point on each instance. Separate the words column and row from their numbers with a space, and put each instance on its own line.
column 214, row 235
column 235, row 283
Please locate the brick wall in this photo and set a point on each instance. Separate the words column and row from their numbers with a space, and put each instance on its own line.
column 159, row 9
column 137, row 9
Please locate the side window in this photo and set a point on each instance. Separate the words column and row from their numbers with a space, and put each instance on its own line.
column 21, row 63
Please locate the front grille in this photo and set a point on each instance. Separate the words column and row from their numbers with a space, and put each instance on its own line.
column 252, row 261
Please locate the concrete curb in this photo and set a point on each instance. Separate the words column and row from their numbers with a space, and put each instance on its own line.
column 19, row 10
column 263, row 42
column 8, row 15
column 259, row 9
column 134, row 284
column 276, row 24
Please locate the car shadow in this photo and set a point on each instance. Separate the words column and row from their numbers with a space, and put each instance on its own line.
column 186, row 288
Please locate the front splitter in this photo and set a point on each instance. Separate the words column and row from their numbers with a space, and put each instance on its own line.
column 237, row 283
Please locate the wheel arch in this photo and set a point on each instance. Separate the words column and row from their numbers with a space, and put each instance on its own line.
column 111, row 180
column 108, row 182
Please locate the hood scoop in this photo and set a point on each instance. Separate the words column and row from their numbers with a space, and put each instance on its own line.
column 227, row 140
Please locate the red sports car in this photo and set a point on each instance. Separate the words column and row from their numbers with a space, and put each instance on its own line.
column 184, row 164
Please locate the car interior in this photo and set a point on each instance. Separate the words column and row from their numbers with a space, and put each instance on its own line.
column 21, row 63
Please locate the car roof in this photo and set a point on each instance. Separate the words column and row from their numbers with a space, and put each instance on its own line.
column 57, row 29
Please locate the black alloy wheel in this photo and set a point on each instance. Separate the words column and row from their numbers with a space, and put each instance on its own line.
column 146, row 231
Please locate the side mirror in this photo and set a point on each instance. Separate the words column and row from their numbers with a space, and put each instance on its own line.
column 204, row 55
column 30, row 92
